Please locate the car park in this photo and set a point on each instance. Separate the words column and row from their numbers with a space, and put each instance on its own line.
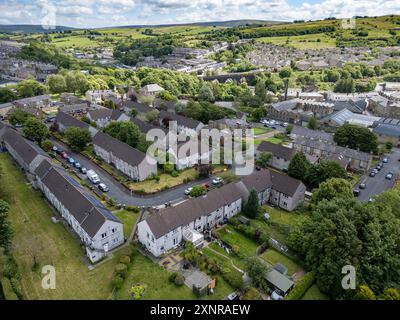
column 217, row 181
column 103, row 187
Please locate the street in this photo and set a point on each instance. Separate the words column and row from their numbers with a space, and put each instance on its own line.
column 379, row 184
column 122, row 195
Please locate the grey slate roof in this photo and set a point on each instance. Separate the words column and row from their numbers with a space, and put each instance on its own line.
column 316, row 134
column 181, row 120
column 120, row 149
column 276, row 149
column 144, row 126
column 284, row 184
column 278, row 280
column 26, row 149
column 70, row 121
column 140, row 107
column 86, row 209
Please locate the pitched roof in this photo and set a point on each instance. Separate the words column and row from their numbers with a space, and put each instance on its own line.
column 101, row 113
column 140, row 107
column 171, row 218
column 152, row 88
column 258, row 180
column 181, row 120
column 86, row 209
column 144, row 126
column 70, row 121
column 276, row 149
column 278, row 280
column 26, row 149
column 119, row 149
column 284, row 184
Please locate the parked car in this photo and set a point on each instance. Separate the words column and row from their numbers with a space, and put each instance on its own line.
column 83, row 170
column 233, row 296
column 93, row 177
column 55, row 149
column 372, row 174
column 379, row 168
column 217, row 181
column 71, row 160
column 188, row 191
column 389, row 176
column 362, row 186
column 77, row 165
column 103, row 187
column 385, row 160
column 356, row 192
column 285, row 124
column 64, row 155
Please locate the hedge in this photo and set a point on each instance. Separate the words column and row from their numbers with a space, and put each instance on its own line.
column 9, row 293
column 301, row 288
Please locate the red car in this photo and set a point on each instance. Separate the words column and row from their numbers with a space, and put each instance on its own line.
column 64, row 155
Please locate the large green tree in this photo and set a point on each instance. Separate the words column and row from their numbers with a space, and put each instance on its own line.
column 56, row 83
column 252, row 206
column 333, row 188
column 36, row 130
column 257, row 271
column 356, row 137
column 323, row 171
column 299, row 166
column 18, row 116
column 7, row 95
column 78, row 138
column 30, row 88
column 126, row 132
column 264, row 159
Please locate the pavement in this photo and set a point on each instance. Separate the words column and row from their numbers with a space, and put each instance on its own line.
column 121, row 194
column 379, row 183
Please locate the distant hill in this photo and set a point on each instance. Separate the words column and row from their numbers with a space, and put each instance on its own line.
column 30, row 28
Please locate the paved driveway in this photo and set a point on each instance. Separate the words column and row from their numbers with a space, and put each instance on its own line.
column 379, row 183
column 122, row 195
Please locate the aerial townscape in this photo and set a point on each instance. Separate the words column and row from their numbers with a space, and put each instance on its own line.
column 313, row 104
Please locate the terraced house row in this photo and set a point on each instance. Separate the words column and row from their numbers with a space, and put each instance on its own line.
column 167, row 229
column 98, row 229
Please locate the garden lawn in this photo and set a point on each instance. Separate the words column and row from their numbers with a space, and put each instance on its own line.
column 37, row 237
column 129, row 219
column 261, row 130
column 236, row 261
column 273, row 257
column 314, row 294
column 281, row 216
column 158, row 286
column 247, row 247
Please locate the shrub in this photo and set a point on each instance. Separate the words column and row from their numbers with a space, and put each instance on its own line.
column 179, row 280
column 8, row 291
column 133, row 209
column 301, row 288
column 117, row 282
column 233, row 277
column 122, row 270
column 251, row 294
column 129, row 251
column 175, row 174
column 172, row 277
column 125, row 260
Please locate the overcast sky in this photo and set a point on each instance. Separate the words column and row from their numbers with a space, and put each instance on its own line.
column 105, row 13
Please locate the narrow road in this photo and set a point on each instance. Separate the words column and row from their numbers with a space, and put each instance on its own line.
column 121, row 194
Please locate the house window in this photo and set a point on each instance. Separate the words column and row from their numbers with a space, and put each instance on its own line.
column 175, row 241
column 104, row 235
column 113, row 230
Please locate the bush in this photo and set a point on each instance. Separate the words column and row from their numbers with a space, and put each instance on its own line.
column 121, row 270
column 251, row 294
column 133, row 209
column 179, row 280
column 129, row 251
column 117, row 282
column 175, row 174
column 301, row 288
column 172, row 277
column 233, row 277
column 125, row 260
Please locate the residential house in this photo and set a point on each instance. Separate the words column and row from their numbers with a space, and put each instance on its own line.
column 39, row 102
column 387, row 130
column 104, row 116
column 141, row 108
column 151, row 90
column 98, row 96
column 75, row 109
column 97, row 228
column 357, row 160
column 184, row 124
column 130, row 161
column 309, row 133
column 65, row 121
column 281, row 156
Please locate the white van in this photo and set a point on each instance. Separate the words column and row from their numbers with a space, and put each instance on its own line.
column 93, row 177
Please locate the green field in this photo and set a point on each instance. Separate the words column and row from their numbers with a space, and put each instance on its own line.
column 310, row 41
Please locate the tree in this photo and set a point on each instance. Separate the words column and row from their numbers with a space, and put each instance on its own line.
column 30, row 88
column 345, row 85
column 7, row 95
column 391, row 294
column 289, row 129
column 285, row 73
column 5, row 226
column 47, row 145
column 312, row 124
column 133, row 112
column 259, row 113
column 19, row 117
column 298, row 166
column 257, row 270
column 364, row 293
column 261, row 89
column 36, row 130
column 333, row 188
column 126, row 132
column 323, row 171
column 151, row 115
column 78, row 138
column 206, row 93
column 356, row 137
column 56, row 83
column 204, row 170
column 198, row 191
column 252, row 206
column 264, row 159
